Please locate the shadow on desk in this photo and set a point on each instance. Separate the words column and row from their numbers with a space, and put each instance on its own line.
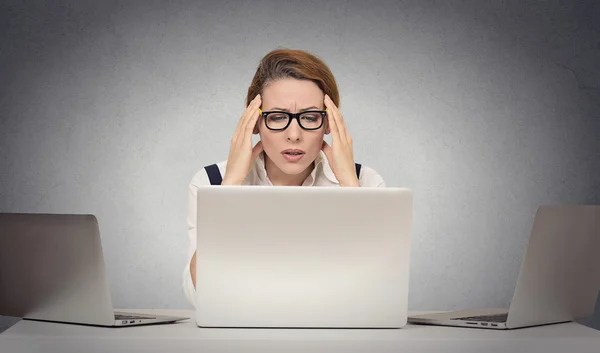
column 7, row 321
column 593, row 322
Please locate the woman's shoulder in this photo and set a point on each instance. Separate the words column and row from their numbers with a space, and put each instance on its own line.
column 369, row 177
column 202, row 175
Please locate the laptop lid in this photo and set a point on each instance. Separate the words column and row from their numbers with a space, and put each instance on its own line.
column 52, row 268
column 302, row 257
column 559, row 278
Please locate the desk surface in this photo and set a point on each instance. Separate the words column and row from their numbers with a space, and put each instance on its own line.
column 185, row 336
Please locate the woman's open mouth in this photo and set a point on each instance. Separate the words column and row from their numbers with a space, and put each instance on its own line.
column 292, row 155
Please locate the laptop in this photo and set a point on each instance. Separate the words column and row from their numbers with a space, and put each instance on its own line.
column 52, row 269
column 559, row 279
column 302, row 257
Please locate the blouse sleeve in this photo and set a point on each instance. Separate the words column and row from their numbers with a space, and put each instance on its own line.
column 201, row 178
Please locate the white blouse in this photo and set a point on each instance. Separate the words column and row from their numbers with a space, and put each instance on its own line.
column 322, row 175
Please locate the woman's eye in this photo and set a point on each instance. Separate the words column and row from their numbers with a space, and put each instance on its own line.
column 311, row 118
column 277, row 117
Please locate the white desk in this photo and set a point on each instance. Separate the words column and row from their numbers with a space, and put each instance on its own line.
column 33, row 336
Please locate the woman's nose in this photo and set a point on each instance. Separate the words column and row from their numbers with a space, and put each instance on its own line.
column 294, row 131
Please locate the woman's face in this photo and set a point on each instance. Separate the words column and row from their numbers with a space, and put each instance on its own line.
column 293, row 149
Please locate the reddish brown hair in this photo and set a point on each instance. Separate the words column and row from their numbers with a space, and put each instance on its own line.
column 298, row 64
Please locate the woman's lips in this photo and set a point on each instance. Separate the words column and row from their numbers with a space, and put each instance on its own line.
column 292, row 156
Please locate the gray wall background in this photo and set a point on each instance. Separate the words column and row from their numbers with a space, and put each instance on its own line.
column 486, row 109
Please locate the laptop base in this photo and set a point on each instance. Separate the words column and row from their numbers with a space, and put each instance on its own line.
column 464, row 318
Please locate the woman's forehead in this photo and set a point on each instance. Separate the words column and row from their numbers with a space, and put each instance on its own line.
column 292, row 94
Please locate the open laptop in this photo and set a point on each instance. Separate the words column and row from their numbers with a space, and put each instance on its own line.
column 304, row 257
column 559, row 278
column 52, row 269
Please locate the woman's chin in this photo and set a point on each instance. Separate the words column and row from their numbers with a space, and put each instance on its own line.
column 292, row 168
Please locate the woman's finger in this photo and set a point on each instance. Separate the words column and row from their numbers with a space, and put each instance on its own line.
column 241, row 122
column 340, row 121
column 335, row 133
column 245, row 136
column 251, row 122
column 248, row 114
column 334, row 120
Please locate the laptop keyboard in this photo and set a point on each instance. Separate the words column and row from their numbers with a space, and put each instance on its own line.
column 488, row 318
column 131, row 317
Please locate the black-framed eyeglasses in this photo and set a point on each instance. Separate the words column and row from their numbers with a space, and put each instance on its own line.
column 279, row 120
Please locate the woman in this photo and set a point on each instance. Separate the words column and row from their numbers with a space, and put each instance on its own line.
column 292, row 103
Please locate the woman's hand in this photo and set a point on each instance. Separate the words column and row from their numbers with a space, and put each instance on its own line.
column 241, row 152
column 341, row 154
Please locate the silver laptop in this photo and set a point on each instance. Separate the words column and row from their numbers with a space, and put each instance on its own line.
column 559, row 279
column 305, row 257
column 52, row 269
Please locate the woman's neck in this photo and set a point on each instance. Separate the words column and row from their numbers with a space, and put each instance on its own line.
column 279, row 178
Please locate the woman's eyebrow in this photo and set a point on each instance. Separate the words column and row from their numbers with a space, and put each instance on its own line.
column 287, row 110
